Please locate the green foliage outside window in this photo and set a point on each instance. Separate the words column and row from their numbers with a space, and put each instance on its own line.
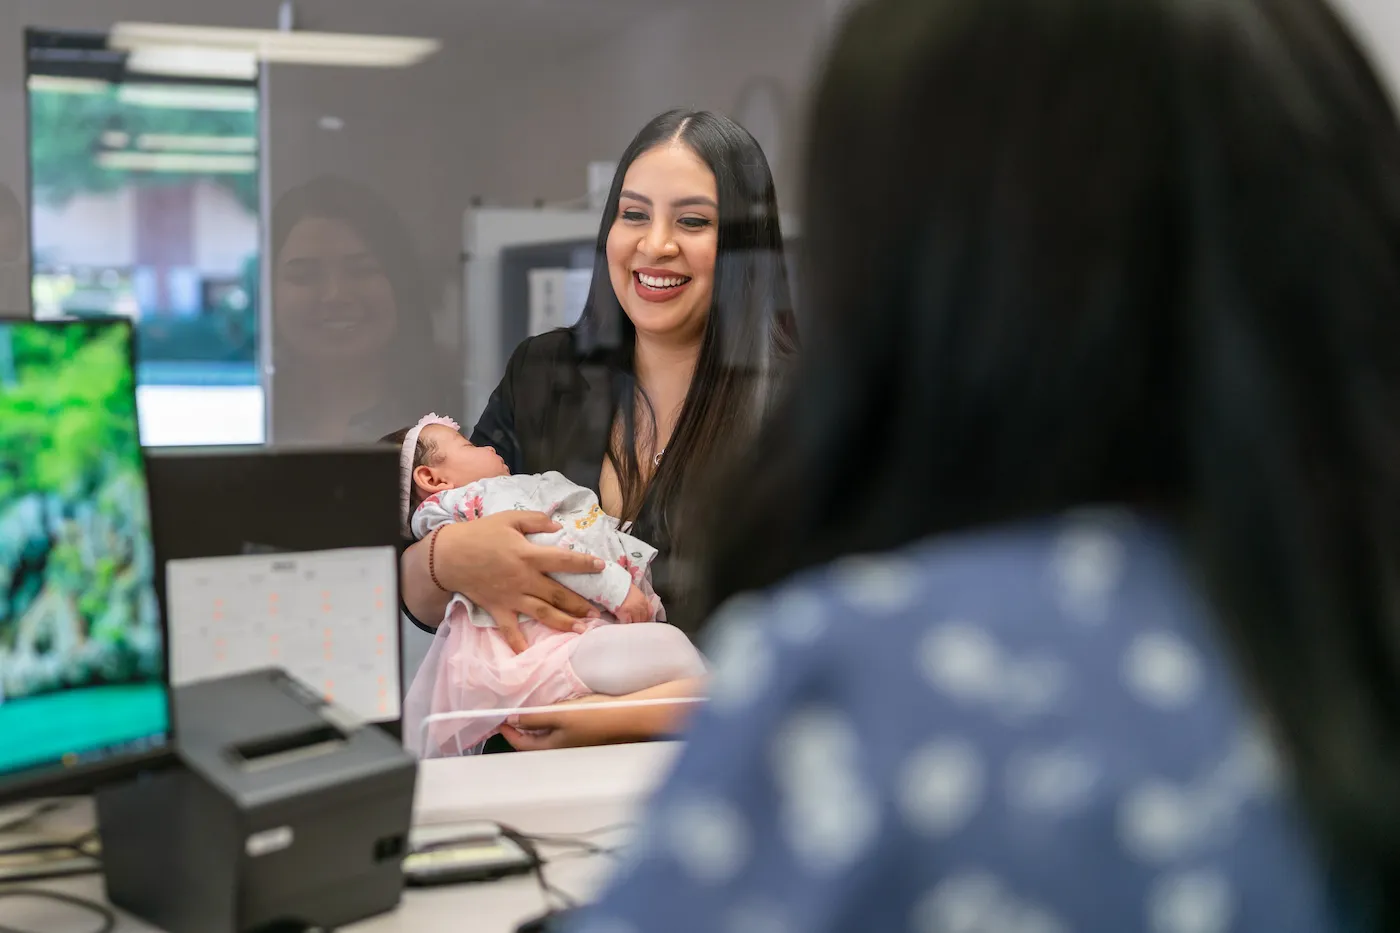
column 67, row 132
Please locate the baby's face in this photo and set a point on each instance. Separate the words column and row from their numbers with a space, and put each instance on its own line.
column 458, row 461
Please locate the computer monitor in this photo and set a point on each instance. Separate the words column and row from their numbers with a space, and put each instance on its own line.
column 84, row 696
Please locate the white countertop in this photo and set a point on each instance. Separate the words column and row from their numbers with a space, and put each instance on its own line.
column 556, row 792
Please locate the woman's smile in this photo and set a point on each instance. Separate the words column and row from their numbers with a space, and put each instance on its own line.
column 662, row 245
column 658, row 284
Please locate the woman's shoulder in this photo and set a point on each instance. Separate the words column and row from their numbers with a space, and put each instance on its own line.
column 555, row 346
column 1081, row 564
column 1007, row 616
column 547, row 363
column 1010, row 692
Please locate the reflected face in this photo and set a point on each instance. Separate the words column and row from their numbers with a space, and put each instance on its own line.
column 663, row 242
column 331, row 297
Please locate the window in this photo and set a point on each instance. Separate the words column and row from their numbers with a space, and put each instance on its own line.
column 144, row 193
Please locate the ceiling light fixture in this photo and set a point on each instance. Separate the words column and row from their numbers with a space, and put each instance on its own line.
column 289, row 47
column 56, row 84
column 190, row 62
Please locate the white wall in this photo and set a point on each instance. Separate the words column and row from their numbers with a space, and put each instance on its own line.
column 588, row 105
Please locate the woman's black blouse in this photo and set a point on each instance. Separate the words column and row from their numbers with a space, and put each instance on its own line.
column 554, row 410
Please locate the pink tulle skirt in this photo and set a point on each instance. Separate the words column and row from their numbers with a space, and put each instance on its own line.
column 472, row 668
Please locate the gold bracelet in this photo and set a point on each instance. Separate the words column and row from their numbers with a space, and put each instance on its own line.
column 432, row 558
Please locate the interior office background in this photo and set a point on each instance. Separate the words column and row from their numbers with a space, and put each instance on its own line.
column 510, row 111
column 521, row 97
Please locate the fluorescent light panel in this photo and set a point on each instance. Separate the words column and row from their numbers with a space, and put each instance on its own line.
column 185, row 62
column 61, row 85
column 271, row 45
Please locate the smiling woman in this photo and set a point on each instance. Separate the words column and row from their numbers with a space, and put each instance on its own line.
column 690, row 310
column 660, row 250
column 668, row 372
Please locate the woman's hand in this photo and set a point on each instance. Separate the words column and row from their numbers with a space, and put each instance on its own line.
column 586, row 726
column 490, row 562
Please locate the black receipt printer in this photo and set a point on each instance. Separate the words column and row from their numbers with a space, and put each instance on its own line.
column 282, row 812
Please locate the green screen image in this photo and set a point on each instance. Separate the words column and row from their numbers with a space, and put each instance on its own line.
column 82, row 663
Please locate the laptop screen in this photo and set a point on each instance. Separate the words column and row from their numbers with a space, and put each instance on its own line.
column 82, row 662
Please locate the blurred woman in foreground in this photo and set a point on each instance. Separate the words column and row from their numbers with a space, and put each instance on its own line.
column 1110, row 295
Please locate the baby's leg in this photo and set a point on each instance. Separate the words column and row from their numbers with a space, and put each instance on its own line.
column 616, row 660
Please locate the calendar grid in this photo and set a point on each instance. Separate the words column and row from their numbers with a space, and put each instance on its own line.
column 329, row 618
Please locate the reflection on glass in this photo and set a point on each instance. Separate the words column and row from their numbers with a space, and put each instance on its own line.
column 14, row 270
column 353, row 348
column 145, row 206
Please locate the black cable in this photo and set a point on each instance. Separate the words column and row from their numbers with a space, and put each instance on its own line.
column 601, row 830
column 48, row 874
column 576, row 847
column 547, row 890
column 581, row 840
column 574, row 843
column 79, row 847
column 109, row 919
column 24, row 819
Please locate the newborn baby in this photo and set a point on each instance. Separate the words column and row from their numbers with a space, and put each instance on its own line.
column 444, row 479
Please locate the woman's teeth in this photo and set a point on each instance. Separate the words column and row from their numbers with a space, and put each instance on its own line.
column 651, row 281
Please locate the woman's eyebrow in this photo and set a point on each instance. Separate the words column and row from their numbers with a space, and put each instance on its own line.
column 691, row 201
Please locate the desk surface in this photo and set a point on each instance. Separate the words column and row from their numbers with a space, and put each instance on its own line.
column 557, row 792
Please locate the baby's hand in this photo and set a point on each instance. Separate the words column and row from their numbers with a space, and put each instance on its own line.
column 635, row 608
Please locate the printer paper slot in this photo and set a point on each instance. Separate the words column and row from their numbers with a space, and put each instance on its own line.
column 287, row 747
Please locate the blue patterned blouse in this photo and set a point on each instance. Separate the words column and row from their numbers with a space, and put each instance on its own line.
column 1027, row 730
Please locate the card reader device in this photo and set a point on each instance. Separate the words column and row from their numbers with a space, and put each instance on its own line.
column 281, row 809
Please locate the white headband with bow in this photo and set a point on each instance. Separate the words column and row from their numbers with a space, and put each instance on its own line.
column 410, row 444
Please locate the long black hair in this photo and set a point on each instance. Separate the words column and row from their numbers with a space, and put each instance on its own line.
column 749, row 330
column 1095, row 251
